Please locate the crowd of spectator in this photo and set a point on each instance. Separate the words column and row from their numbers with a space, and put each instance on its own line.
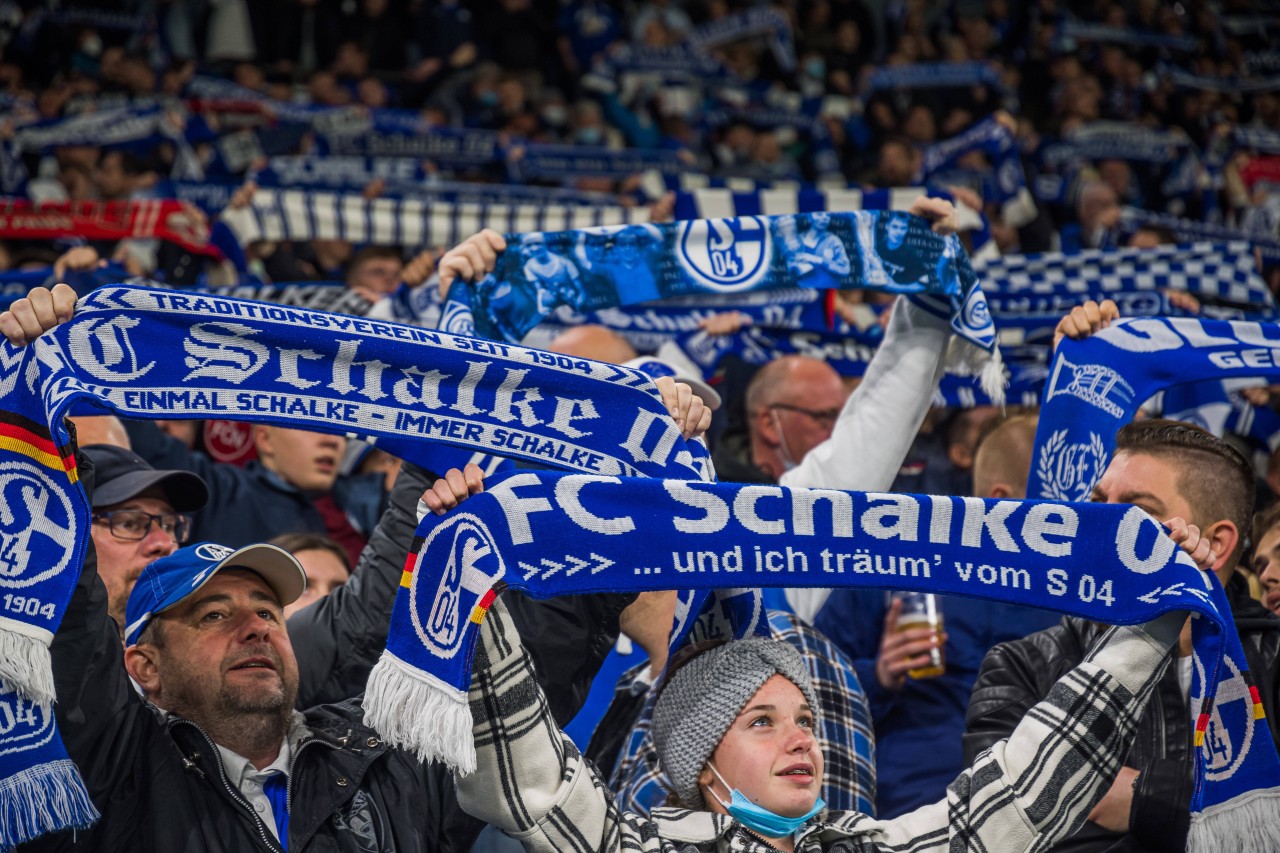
column 1156, row 106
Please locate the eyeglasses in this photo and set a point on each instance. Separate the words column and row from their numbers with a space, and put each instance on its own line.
column 134, row 525
column 825, row 417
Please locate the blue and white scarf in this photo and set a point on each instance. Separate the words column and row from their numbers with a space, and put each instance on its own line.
column 606, row 267
column 560, row 162
column 934, row 75
column 726, row 202
column 551, row 535
column 1001, row 148
column 282, row 214
column 154, row 353
column 1222, row 271
column 1190, row 231
column 1072, row 32
column 1095, row 386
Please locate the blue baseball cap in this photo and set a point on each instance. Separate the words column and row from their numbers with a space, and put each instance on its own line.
column 169, row 580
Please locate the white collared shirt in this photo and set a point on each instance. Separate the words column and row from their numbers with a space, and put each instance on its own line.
column 249, row 780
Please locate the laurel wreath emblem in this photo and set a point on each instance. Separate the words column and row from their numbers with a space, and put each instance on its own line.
column 1051, row 487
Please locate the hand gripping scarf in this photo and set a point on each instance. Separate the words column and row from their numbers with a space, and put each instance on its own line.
column 165, row 354
column 598, row 268
column 552, row 534
column 1096, row 385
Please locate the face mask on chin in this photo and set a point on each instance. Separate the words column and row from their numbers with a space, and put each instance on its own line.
column 757, row 818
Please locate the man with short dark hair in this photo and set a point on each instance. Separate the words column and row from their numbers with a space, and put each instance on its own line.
column 1170, row 469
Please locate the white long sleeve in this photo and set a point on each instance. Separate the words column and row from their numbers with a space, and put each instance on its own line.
column 879, row 422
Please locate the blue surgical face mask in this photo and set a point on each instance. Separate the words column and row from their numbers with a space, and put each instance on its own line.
column 756, row 817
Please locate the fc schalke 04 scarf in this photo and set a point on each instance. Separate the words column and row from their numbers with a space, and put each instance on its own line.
column 599, row 268
column 1096, row 385
column 153, row 353
column 549, row 535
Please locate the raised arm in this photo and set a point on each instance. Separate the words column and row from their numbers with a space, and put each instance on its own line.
column 1040, row 785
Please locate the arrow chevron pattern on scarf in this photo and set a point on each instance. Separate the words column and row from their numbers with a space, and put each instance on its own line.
column 1110, row 563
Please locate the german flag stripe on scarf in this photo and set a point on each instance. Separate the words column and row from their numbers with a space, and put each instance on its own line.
column 25, row 436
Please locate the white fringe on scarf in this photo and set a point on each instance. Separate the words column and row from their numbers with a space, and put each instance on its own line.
column 415, row 711
column 966, row 359
column 42, row 799
column 25, row 666
column 1248, row 824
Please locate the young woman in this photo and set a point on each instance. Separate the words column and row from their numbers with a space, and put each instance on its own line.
column 734, row 729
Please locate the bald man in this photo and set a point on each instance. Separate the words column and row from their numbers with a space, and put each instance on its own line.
column 919, row 723
column 595, row 342
column 792, row 406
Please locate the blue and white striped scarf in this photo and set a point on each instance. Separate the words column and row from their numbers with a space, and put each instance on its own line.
column 155, row 353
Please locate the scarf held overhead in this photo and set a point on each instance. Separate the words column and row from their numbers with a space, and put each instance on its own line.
column 550, row 535
column 601, row 268
column 164, row 354
column 1096, row 386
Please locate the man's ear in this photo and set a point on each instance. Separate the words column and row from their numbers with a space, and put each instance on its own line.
column 767, row 426
column 1001, row 491
column 1225, row 536
column 960, row 456
column 262, row 439
column 141, row 662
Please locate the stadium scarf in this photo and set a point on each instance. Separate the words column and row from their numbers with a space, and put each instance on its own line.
column 114, row 127
column 1072, row 32
column 1190, row 230
column 282, row 214
column 106, row 220
column 724, row 202
column 550, row 535
column 1259, row 139
column 562, row 162
column 405, row 177
column 1232, row 84
column 1096, row 386
column 602, row 268
column 934, row 75
column 750, row 22
column 998, row 144
column 1224, row 271
column 156, row 353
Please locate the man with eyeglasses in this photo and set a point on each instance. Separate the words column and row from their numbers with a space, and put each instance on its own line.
column 138, row 517
column 792, row 406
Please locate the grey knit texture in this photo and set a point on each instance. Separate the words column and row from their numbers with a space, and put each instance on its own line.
column 706, row 695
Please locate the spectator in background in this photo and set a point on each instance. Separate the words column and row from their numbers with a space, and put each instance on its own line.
column 139, row 515
column 374, row 271
column 323, row 561
column 1097, row 213
column 1266, row 555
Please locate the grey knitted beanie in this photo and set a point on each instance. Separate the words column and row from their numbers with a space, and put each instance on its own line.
column 705, row 696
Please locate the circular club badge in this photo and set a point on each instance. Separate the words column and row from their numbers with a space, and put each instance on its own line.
column 726, row 254
column 229, row 441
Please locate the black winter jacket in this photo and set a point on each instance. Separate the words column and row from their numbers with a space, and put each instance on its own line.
column 1016, row 675
column 159, row 781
